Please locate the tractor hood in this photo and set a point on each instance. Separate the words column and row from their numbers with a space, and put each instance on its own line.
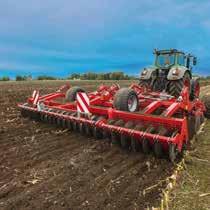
column 173, row 73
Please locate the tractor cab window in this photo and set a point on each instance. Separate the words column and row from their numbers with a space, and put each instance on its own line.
column 181, row 60
column 165, row 60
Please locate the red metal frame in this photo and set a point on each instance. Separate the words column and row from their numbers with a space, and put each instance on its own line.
column 101, row 104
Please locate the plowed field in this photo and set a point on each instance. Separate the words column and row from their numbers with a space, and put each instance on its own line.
column 43, row 167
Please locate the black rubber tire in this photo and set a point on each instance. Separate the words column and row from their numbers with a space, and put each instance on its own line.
column 145, row 146
column 124, row 139
column 194, row 92
column 175, row 87
column 145, row 83
column 158, row 149
column 121, row 99
column 158, row 85
column 71, row 94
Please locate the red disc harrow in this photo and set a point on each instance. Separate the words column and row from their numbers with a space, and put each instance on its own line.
column 135, row 118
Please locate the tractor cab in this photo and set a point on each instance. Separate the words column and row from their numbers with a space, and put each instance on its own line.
column 172, row 70
column 165, row 59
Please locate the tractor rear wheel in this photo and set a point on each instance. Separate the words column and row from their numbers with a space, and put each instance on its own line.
column 71, row 94
column 175, row 87
column 126, row 99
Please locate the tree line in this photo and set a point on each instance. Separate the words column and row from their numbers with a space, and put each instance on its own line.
column 85, row 76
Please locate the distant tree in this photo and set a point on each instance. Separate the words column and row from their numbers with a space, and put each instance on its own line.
column 44, row 77
column 21, row 78
column 4, row 78
column 118, row 75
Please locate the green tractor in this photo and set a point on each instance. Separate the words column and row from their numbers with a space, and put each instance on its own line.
column 171, row 71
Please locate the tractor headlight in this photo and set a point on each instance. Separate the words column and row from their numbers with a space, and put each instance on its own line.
column 175, row 72
column 144, row 72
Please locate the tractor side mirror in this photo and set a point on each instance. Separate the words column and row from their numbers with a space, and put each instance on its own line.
column 194, row 61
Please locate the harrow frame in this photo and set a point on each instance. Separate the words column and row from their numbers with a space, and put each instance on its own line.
column 173, row 115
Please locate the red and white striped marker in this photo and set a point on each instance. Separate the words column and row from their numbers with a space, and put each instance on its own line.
column 83, row 103
column 35, row 97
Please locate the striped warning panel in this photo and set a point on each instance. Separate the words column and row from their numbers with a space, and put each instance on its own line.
column 35, row 97
column 83, row 103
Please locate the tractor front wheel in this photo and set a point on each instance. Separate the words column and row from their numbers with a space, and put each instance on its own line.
column 175, row 87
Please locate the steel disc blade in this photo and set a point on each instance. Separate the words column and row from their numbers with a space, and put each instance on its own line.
column 145, row 146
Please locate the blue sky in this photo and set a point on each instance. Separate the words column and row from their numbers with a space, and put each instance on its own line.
column 60, row 37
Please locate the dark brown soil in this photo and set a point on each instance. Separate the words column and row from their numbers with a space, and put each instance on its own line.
column 43, row 167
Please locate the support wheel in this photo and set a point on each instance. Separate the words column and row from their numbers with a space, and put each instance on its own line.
column 126, row 99
column 71, row 94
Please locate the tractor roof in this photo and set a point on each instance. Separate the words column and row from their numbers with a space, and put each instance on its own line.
column 170, row 51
